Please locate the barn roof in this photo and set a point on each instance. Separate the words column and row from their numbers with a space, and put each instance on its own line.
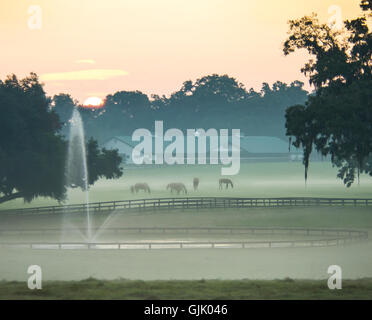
column 125, row 139
column 263, row 144
column 250, row 144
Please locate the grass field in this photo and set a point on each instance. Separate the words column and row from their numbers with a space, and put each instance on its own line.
column 173, row 273
column 284, row 179
column 192, row 264
column 194, row 290
column 315, row 217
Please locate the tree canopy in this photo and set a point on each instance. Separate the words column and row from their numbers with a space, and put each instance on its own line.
column 337, row 119
column 32, row 149
column 213, row 101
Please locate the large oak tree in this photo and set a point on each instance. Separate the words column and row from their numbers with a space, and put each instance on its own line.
column 32, row 149
column 337, row 119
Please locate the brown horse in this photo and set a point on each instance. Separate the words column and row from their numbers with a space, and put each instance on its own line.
column 177, row 186
column 140, row 186
column 227, row 182
column 195, row 183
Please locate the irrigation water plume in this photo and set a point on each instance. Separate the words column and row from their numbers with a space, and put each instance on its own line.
column 76, row 166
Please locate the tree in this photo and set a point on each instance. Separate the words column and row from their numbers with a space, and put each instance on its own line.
column 124, row 112
column 206, row 100
column 102, row 162
column 337, row 119
column 32, row 150
column 63, row 105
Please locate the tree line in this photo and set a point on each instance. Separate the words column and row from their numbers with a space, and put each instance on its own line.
column 213, row 101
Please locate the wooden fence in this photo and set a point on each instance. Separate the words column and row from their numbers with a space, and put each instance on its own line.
column 199, row 230
column 334, row 237
column 192, row 203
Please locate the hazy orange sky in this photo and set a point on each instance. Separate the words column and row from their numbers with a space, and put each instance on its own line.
column 95, row 47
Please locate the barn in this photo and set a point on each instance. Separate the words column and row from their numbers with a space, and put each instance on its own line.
column 252, row 148
column 123, row 144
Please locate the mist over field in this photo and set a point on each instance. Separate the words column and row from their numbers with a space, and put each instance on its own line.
column 254, row 180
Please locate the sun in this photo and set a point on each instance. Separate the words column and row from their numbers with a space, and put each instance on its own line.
column 93, row 102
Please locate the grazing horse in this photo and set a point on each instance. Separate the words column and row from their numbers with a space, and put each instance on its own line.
column 227, row 182
column 195, row 183
column 178, row 187
column 140, row 186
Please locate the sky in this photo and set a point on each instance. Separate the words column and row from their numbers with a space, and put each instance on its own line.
column 94, row 47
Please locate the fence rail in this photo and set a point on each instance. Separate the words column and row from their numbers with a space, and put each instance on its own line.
column 201, row 230
column 324, row 237
column 189, row 244
column 193, row 203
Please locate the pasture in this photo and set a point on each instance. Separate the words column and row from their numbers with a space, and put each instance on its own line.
column 283, row 179
column 254, row 180
column 297, row 263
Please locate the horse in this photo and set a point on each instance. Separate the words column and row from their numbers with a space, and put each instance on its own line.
column 195, row 183
column 227, row 182
column 140, row 186
column 177, row 186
